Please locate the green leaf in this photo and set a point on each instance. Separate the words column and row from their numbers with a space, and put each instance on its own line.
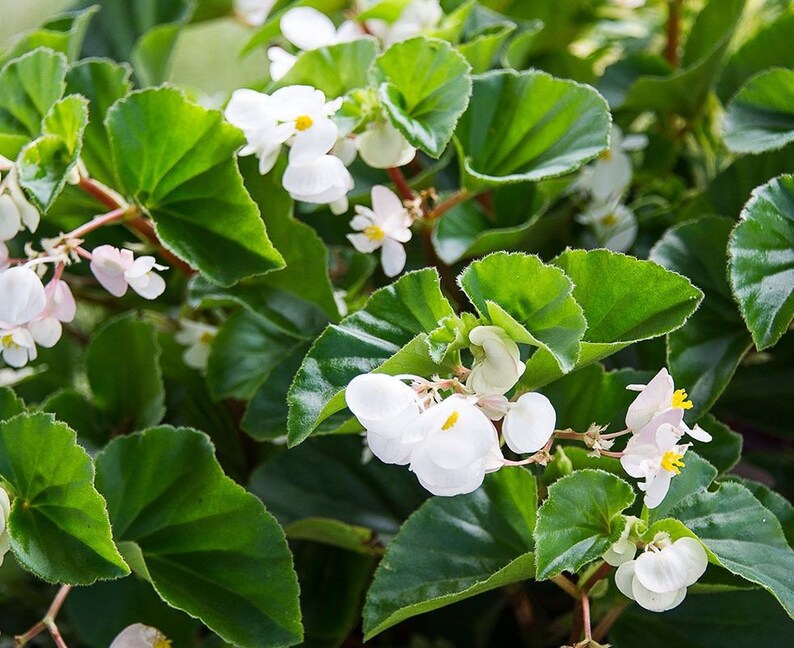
column 761, row 115
column 103, row 82
column 325, row 478
column 185, row 178
column 29, row 86
column 305, row 253
column 541, row 312
column 62, row 33
column 704, row 353
column 779, row 505
column 392, row 326
column 685, row 91
column 705, row 621
column 580, row 519
column 73, row 408
column 767, row 48
column 58, row 526
column 245, row 351
column 122, row 363
column 425, row 87
column 335, row 69
column 207, row 546
column 761, row 260
column 528, row 126
column 725, row 448
column 10, row 404
column 454, row 548
column 746, row 538
column 606, row 285
column 333, row 533
column 481, row 50
column 45, row 163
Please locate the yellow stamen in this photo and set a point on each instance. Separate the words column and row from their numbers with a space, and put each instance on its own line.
column 671, row 461
column 680, row 400
column 610, row 219
column 303, row 122
column 162, row 642
column 206, row 337
column 8, row 342
column 451, row 420
column 374, row 233
column 606, row 155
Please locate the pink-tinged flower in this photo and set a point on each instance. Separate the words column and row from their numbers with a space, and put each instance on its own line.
column 116, row 269
column 46, row 329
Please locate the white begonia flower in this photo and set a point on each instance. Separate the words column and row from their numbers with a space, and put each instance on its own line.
column 250, row 112
column 659, row 577
column 46, row 329
column 497, row 361
column 17, row 346
column 116, row 269
column 609, row 176
column 4, row 256
column 529, row 423
column 382, row 146
column 321, row 181
column 281, row 62
column 15, row 208
column 623, row 549
column 658, row 396
column 459, row 446
column 5, row 511
column 22, row 296
column 197, row 337
column 655, row 455
column 253, row 12
column 386, row 225
column 139, row 635
column 614, row 225
column 419, row 16
column 389, row 410
column 307, row 29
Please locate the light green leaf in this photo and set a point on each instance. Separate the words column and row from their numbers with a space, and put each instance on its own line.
column 454, row 548
column 122, row 363
column 540, row 312
column 606, row 285
column 684, row 91
column 481, row 50
column 209, row 547
column 746, row 538
column 45, row 163
column 761, row 260
column 335, row 69
column 704, row 353
column 761, row 115
column 325, row 478
column 10, row 403
column 245, row 351
column 528, row 126
column 103, row 82
column 186, row 178
column 425, row 87
column 58, row 526
column 389, row 332
column 579, row 520
column 62, row 33
column 29, row 86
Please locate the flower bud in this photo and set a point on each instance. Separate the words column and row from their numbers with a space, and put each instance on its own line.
column 529, row 424
column 497, row 361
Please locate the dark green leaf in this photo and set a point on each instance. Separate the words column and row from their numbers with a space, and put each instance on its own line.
column 761, row 251
column 704, row 353
column 58, row 526
column 725, row 448
column 455, row 547
column 186, row 178
column 425, row 87
column 10, row 404
column 208, row 547
column 122, row 363
column 580, row 519
column 528, row 126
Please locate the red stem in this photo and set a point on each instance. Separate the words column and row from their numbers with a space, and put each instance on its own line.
column 115, row 215
column 93, row 188
column 673, row 32
column 48, row 622
column 585, row 603
column 403, row 188
column 444, row 206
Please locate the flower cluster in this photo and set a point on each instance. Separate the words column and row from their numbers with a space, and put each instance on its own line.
column 656, row 421
column 605, row 183
column 299, row 116
column 443, row 429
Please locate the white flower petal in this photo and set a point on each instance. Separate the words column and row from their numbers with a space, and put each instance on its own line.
column 382, row 403
column 10, row 220
column 390, row 450
column 657, row 487
column 654, row 601
column 392, row 257
column 22, row 295
column 383, row 146
column 46, row 331
column 364, row 243
column 307, row 29
column 529, row 424
column 385, row 202
column 322, row 181
column 314, row 142
column 695, row 556
column 653, row 399
column 281, row 62
column 139, row 635
column 624, row 578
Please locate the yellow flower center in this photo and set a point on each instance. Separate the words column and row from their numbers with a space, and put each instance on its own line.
column 162, row 642
column 303, row 122
column 374, row 233
column 610, row 219
column 206, row 337
column 606, row 155
column 8, row 342
column 451, row 420
column 671, row 461
column 680, row 400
